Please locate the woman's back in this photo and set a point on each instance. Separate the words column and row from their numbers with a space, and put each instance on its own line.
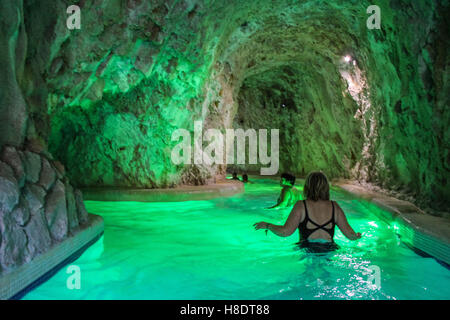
column 317, row 220
column 315, row 217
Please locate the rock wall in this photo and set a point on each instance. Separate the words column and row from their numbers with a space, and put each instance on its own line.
column 108, row 97
column 410, row 152
column 38, row 205
column 394, row 89
column 318, row 128
column 116, row 89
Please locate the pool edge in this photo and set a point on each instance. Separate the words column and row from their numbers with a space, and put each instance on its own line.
column 418, row 230
column 184, row 193
column 20, row 281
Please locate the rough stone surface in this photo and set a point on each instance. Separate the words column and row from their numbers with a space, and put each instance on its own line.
column 38, row 234
column 48, row 175
column 9, row 189
column 313, row 136
column 32, row 163
column 38, row 211
column 108, row 107
column 11, row 157
column 72, row 214
column 60, row 170
column 82, row 213
column 21, row 214
column 56, row 212
column 13, row 249
column 13, row 44
column 35, row 196
column 36, row 229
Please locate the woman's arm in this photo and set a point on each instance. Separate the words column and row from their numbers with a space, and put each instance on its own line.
column 344, row 226
column 289, row 226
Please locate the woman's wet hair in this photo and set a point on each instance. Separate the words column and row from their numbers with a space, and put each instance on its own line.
column 289, row 177
column 316, row 187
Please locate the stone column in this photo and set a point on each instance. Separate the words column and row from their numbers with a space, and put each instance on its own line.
column 13, row 43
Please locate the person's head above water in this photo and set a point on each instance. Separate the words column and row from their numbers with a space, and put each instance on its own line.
column 287, row 179
column 316, row 187
column 245, row 177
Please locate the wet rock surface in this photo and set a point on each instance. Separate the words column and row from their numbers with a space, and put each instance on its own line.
column 9, row 190
column 56, row 212
column 82, row 214
column 14, row 240
column 32, row 163
column 11, row 157
column 38, row 234
column 21, row 213
column 48, row 175
column 72, row 213
column 37, row 214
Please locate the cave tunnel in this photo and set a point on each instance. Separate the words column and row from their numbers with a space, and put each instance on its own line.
column 94, row 105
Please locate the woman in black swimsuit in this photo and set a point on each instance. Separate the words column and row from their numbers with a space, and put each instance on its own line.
column 314, row 217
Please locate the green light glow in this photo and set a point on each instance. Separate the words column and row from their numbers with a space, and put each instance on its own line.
column 396, row 227
column 209, row 250
column 373, row 224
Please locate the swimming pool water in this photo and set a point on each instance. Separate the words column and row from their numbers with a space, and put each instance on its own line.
column 210, row 250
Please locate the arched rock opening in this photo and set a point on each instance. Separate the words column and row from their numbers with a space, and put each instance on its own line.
column 104, row 100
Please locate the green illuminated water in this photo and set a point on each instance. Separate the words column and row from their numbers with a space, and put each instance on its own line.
column 209, row 250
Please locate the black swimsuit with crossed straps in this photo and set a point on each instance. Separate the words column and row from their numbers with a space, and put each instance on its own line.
column 305, row 232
